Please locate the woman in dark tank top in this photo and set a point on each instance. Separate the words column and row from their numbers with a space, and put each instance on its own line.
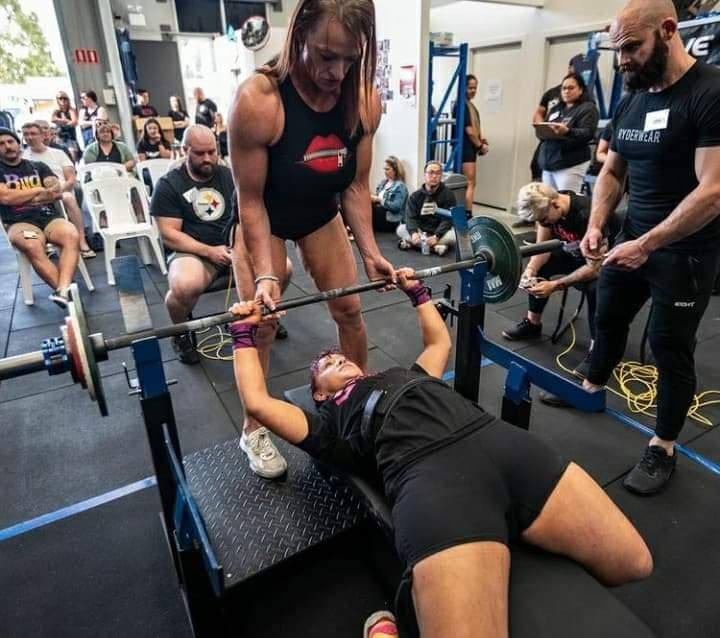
column 300, row 135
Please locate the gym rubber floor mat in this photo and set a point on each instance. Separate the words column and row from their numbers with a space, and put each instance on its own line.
column 58, row 450
column 106, row 572
column 544, row 353
column 8, row 289
column 681, row 528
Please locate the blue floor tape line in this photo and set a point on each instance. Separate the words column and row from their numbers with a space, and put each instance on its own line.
column 693, row 456
column 77, row 508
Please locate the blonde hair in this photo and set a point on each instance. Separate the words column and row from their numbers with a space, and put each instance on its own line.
column 358, row 18
column 534, row 200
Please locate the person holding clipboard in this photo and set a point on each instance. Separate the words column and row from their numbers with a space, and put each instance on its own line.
column 566, row 135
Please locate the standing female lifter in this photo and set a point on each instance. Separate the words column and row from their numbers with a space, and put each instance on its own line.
column 301, row 132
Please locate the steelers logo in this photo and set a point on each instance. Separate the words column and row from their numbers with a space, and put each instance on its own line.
column 209, row 205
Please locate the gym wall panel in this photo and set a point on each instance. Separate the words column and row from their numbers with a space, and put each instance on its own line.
column 497, row 66
column 403, row 127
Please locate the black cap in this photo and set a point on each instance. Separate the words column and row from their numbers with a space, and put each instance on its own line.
column 8, row 131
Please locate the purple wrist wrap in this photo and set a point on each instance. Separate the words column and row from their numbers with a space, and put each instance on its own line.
column 243, row 335
column 418, row 294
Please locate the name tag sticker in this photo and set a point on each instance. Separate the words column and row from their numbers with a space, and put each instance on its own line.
column 657, row 120
column 190, row 195
column 554, row 116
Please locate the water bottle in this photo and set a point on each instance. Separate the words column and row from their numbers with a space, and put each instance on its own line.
column 424, row 246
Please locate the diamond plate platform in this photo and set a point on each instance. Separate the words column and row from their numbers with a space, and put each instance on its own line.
column 254, row 523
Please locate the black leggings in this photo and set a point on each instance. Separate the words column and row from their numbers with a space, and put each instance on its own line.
column 563, row 263
column 679, row 286
column 379, row 220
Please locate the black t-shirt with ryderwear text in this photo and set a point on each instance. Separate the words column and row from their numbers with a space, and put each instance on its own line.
column 657, row 135
column 204, row 207
column 26, row 175
column 427, row 416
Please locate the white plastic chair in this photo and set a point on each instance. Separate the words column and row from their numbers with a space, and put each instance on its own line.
column 100, row 170
column 155, row 168
column 113, row 196
column 25, row 269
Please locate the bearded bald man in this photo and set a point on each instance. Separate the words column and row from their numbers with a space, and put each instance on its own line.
column 667, row 141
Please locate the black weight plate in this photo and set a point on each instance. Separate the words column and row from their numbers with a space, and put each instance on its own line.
column 489, row 236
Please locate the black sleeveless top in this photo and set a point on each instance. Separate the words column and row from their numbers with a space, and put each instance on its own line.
column 313, row 161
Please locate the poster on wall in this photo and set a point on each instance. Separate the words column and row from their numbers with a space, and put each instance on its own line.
column 493, row 96
column 383, row 74
column 408, row 84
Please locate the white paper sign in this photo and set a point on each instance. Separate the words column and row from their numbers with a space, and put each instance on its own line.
column 493, row 96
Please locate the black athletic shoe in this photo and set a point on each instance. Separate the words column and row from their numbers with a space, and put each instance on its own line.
column 524, row 330
column 652, row 473
column 553, row 401
column 185, row 349
column 583, row 368
column 281, row 332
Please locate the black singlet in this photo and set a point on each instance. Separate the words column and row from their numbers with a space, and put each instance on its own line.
column 313, row 161
column 427, row 417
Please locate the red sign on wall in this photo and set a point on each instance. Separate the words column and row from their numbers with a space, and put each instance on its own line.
column 86, row 56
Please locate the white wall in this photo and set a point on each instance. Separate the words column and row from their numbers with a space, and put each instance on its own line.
column 481, row 23
column 403, row 126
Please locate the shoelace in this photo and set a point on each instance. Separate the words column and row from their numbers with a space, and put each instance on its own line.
column 263, row 447
column 652, row 459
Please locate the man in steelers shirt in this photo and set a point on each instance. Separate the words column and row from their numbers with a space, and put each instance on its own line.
column 461, row 483
column 192, row 204
column 667, row 142
column 28, row 192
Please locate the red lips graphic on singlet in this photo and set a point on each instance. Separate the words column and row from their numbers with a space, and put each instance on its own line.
column 325, row 154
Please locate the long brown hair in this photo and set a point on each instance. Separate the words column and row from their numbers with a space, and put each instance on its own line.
column 358, row 18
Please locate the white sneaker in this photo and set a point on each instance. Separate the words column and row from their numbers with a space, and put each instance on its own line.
column 265, row 459
column 440, row 249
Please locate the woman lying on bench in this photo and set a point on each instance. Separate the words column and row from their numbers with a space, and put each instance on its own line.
column 462, row 484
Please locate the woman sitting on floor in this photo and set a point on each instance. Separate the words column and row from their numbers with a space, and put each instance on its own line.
column 390, row 197
column 462, row 484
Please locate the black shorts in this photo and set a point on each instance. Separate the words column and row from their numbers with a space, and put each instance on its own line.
column 469, row 155
column 39, row 221
column 488, row 486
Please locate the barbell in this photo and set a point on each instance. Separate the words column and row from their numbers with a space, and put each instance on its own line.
column 78, row 352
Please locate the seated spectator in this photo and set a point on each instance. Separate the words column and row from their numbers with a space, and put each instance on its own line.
column 390, row 197
column 49, row 136
column 65, row 118
column 106, row 149
column 559, row 215
column 62, row 166
column 422, row 223
column 28, row 192
column 152, row 144
column 192, row 205
column 220, row 131
column 87, row 115
column 179, row 116
column 205, row 108
column 143, row 108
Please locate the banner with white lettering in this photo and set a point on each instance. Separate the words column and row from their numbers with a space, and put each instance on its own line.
column 702, row 39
